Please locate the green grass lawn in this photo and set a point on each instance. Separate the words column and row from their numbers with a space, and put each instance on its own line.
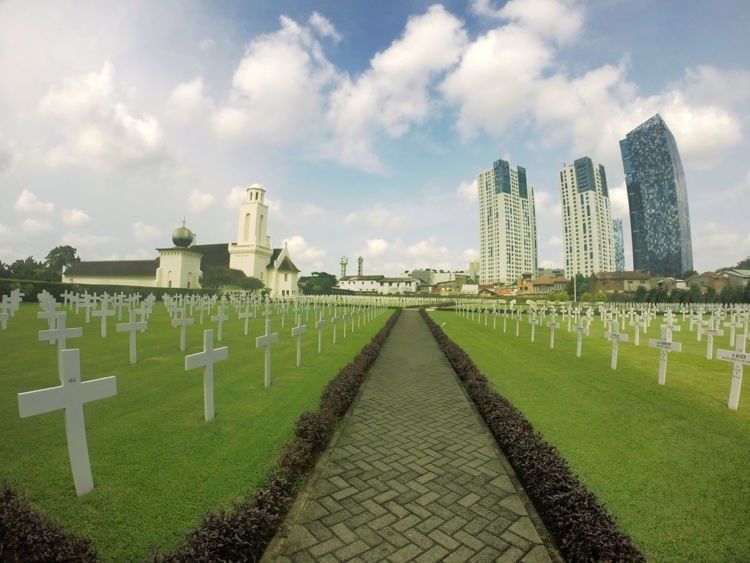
column 157, row 465
column 672, row 462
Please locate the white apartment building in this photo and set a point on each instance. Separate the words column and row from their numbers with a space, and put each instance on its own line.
column 507, row 224
column 587, row 219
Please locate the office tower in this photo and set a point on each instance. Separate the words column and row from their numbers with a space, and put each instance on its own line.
column 587, row 219
column 619, row 245
column 507, row 224
column 657, row 197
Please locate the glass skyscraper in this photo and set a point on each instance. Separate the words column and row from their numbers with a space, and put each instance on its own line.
column 619, row 245
column 657, row 197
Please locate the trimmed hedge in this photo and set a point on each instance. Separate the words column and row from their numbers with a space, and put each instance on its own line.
column 32, row 288
column 581, row 526
column 243, row 532
column 240, row 533
column 25, row 535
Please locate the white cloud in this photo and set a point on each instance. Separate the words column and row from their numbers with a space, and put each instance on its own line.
column 469, row 191
column 429, row 249
column 555, row 241
column 618, row 200
column 80, row 240
column 716, row 245
column 324, row 27
column 375, row 247
column 187, row 101
column 6, row 157
column 470, row 255
column 27, row 202
column 393, row 94
column 511, row 52
column 277, row 87
column 300, row 250
column 198, row 201
column 235, row 197
column 35, row 227
column 97, row 127
column 75, row 217
column 378, row 216
column 548, row 264
column 206, row 44
column 6, row 233
column 559, row 19
column 310, row 210
column 143, row 232
column 546, row 205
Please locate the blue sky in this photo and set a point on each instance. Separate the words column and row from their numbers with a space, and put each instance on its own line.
column 367, row 122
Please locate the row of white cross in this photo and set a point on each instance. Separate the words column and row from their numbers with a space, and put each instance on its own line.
column 738, row 356
column 72, row 393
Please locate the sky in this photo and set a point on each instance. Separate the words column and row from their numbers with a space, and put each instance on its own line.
column 366, row 122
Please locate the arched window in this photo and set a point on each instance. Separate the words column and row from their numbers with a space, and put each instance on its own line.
column 246, row 234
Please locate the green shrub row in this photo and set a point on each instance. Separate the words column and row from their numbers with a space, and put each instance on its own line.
column 32, row 288
column 581, row 526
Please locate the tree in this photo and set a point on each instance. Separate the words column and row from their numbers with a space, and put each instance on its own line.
column 581, row 285
column 640, row 293
column 28, row 269
column 251, row 284
column 318, row 283
column 688, row 273
column 600, row 296
column 61, row 257
column 743, row 264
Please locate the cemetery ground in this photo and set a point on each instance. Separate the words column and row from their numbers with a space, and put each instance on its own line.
column 670, row 462
column 157, row 465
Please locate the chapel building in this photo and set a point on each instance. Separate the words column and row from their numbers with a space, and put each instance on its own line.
column 183, row 265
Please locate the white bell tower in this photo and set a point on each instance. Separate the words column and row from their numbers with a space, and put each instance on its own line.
column 252, row 251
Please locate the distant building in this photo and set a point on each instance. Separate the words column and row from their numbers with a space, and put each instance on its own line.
column 507, row 224
column 183, row 264
column 542, row 285
column 716, row 281
column 610, row 282
column 378, row 284
column 619, row 237
column 587, row 219
column 657, row 197
column 737, row 277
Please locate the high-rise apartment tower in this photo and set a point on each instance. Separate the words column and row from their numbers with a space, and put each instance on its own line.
column 587, row 219
column 507, row 224
column 657, row 197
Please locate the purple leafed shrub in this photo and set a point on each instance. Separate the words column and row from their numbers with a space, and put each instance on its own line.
column 581, row 526
column 25, row 535
column 243, row 532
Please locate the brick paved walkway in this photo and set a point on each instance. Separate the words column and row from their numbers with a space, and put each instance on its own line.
column 413, row 475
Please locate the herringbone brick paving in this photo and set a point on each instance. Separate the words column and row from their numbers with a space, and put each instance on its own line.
column 413, row 476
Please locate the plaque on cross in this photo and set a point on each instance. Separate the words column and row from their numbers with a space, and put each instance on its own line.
column 71, row 395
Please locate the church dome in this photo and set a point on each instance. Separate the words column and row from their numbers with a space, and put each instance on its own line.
column 182, row 236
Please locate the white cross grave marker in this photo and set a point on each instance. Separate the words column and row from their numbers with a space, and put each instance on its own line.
column 71, row 396
column 320, row 325
column 298, row 331
column 665, row 345
column 221, row 316
column 132, row 327
column 710, row 332
column 615, row 336
column 183, row 322
column 334, row 322
column 206, row 360
column 533, row 322
column 104, row 312
column 739, row 359
column 266, row 341
column 580, row 330
column 246, row 314
column 60, row 334
column 552, row 326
